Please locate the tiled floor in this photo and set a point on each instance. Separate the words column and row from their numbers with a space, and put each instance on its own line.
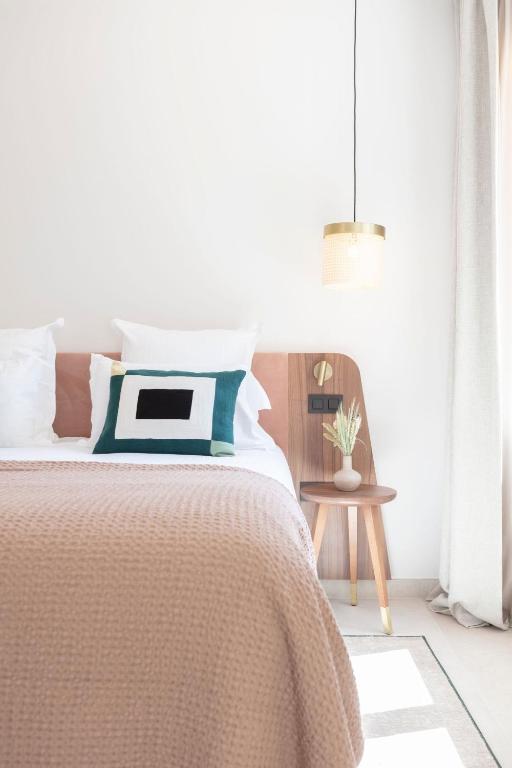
column 478, row 661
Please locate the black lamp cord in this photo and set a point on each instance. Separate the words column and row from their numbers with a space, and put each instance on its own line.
column 355, row 104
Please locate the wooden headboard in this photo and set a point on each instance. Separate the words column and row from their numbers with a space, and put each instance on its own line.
column 73, row 416
column 288, row 380
column 311, row 457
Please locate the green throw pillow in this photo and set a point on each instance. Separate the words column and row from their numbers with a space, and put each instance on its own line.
column 170, row 412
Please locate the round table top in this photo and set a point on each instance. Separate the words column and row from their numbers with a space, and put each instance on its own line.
column 365, row 495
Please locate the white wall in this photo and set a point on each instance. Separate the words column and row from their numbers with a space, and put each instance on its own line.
column 174, row 163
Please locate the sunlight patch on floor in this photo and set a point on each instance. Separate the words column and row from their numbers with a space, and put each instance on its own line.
column 389, row 681
column 421, row 749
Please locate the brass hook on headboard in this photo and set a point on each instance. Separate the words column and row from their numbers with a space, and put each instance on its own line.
column 322, row 372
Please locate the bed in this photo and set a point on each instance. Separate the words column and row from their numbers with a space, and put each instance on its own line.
column 163, row 610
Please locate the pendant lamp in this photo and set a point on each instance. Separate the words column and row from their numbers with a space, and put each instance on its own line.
column 352, row 250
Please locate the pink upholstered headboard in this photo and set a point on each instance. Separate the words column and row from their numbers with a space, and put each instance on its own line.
column 73, row 417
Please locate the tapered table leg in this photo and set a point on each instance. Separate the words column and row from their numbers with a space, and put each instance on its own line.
column 377, row 556
column 319, row 527
column 352, row 552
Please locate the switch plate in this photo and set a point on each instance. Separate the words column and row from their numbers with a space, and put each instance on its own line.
column 324, row 403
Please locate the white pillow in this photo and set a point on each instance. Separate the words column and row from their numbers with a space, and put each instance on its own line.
column 203, row 351
column 27, row 385
column 248, row 432
column 200, row 351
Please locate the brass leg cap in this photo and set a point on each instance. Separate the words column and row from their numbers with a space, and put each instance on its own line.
column 353, row 594
column 385, row 614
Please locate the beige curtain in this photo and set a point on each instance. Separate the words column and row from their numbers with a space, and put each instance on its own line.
column 505, row 281
column 471, row 573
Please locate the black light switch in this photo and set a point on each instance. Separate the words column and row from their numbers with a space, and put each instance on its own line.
column 324, row 403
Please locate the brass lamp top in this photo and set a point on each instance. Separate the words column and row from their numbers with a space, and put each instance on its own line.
column 354, row 228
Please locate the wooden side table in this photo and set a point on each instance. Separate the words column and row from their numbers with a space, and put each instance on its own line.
column 369, row 498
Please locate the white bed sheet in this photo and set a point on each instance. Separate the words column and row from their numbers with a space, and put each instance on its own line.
column 271, row 462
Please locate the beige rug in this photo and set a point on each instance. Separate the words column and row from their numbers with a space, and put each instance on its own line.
column 413, row 716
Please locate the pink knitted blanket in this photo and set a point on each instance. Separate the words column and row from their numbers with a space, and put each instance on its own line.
column 165, row 616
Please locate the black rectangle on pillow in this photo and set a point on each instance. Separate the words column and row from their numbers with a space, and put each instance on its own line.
column 164, row 404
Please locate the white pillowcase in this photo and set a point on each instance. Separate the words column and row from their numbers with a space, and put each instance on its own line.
column 247, row 432
column 202, row 351
column 27, row 385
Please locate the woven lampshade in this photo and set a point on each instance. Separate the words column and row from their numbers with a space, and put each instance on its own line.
column 353, row 255
column 353, row 251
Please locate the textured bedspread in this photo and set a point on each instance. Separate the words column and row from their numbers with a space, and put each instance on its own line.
column 165, row 617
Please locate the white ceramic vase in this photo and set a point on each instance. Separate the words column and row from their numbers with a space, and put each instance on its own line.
column 346, row 478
